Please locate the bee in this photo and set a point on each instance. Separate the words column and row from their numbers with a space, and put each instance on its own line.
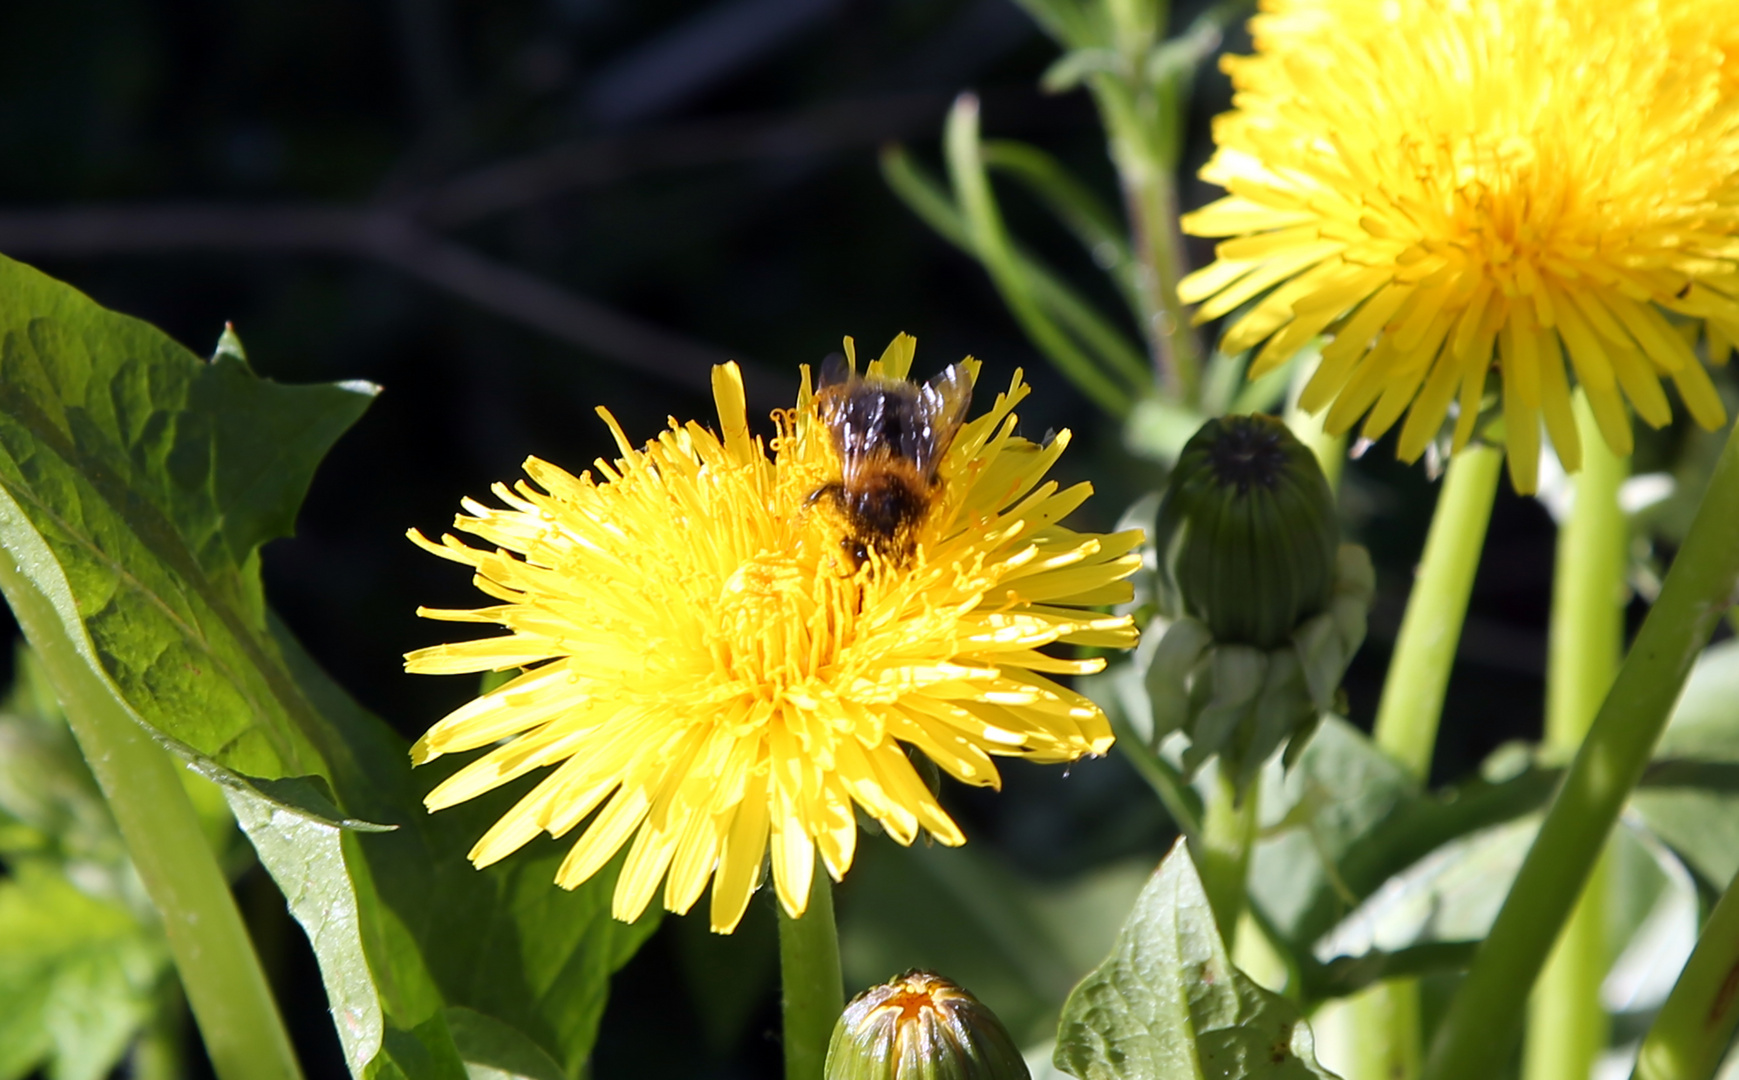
column 891, row 435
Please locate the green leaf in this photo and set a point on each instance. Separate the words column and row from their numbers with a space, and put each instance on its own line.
column 436, row 932
column 78, row 977
column 1701, row 822
column 1353, row 820
column 136, row 483
column 152, row 477
column 1168, row 1004
column 492, row 1050
column 309, row 797
column 425, row 1052
column 305, row 856
column 1341, row 790
column 1017, row 944
column 729, row 976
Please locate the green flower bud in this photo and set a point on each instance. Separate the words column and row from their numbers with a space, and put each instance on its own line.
column 1247, row 534
column 1262, row 607
column 920, row 1026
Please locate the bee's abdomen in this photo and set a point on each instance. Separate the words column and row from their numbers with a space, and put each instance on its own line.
column 886, row 505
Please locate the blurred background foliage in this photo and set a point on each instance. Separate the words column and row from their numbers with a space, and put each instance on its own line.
column 508, row 213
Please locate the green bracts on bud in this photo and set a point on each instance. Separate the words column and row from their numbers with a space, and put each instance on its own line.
column 920, row 1026
column 1262, row 606
column 1247, row 535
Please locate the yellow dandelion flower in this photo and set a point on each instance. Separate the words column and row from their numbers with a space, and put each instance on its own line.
column 712, row 678
column 1446, row 188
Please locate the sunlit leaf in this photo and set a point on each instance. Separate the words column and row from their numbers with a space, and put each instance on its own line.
column 137, row 482
column 1168, row 1002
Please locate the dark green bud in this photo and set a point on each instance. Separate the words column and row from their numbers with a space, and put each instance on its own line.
column 1247, row 534
column 920, row 1026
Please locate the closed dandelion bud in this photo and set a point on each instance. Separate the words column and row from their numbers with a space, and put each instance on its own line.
column 1262, row 606
column 920, row 1026
column 1247, row 534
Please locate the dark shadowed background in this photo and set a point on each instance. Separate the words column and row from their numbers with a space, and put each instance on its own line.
column 509, row 212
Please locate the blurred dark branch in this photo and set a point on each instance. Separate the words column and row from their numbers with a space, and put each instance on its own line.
column 404, row 232
column 682, row 62
column 386, row 236
column 838, row 125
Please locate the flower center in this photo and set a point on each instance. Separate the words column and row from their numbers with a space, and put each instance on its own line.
column 770, row 627
column 761, row 590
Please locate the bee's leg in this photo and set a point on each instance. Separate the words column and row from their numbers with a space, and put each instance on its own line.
column 833, row 491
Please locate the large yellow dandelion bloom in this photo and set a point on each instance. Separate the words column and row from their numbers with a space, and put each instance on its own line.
column 713, row 680
column 1446, row 188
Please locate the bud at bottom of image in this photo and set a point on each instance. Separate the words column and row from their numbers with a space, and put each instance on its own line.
column 921, row 1026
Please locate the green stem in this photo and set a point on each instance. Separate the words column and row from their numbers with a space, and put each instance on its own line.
column 1166, row 782
column 1567, row 1028
column 1689, row 1036
column 219, row 969
column 220, row 974
column 995, row 249
column 1412, row 701
column 1150, row 197
column 813, row 989
column 1387, row 1015
column 1386, row 1038
column 1483, row 1021
column 1223, row 854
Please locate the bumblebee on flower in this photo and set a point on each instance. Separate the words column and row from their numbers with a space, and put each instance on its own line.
column 714, row 676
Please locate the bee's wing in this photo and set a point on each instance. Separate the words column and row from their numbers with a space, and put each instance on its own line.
column 942, row 405
column 863, row 433
column 852, row 414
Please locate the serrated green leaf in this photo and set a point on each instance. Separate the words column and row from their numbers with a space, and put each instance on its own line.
column 152, row 476
column 136, row 483
column 1341, row 790
column 1353, row 820
column 309, row 797
column 1168, row 1004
